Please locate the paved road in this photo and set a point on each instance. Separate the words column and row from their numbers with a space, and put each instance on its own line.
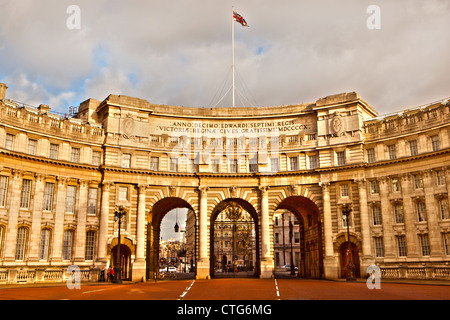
column 232, row 289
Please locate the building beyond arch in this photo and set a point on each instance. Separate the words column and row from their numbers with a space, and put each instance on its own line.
column 61, row 178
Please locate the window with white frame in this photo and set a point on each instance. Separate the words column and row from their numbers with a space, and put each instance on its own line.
column 44, row 245
column 371, row 155
column 435, row 146
column 75, row 155
column 96, row 158
column 413, row 148
column 401, row 245
column 293, row 163
column 3, row 190
column 392, row 151
column 376, row 215
column 418, row 181
column 274, row 164
column 67, row 244
column 9, row 141
column 421, row 211
column 395, row 184
column 126, row 160
column 21, row 242
column 123, row 193
column 233, row 164
column 92, row 201
column 90, row 245
column 379, row 247
column 344, row 190
column 32, row 144
column 174, row 164
column 25, row 194
column 443, row 208
column 340, row 157
column 53, row 153
column 440, row 178
column 446, row 242
column 398, row 213
column 71, row 193
column 313, row 162
column 154, row 163
column 374, row 187
column 424, row 244
column 49, row 191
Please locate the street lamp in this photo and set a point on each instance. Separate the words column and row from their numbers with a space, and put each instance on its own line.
column 346, row 215
column 291, row 233
column 118, row 214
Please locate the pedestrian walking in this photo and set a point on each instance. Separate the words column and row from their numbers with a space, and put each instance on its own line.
column 102, row 275
column 112, row 274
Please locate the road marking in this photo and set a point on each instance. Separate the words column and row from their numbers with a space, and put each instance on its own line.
column 276, row 287
column 186, row 290
column 93, row 291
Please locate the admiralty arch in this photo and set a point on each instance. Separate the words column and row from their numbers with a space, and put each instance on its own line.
column 62, row 178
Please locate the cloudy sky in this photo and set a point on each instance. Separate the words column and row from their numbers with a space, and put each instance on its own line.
column 178, row 52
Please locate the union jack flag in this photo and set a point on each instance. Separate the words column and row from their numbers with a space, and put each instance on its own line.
column 237, row 17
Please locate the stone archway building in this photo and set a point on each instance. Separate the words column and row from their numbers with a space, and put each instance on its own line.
column 60, row 173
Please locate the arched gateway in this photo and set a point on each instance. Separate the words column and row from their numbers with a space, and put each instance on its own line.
column 309, row 159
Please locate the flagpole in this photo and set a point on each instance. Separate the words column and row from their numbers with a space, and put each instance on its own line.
column 233, row 65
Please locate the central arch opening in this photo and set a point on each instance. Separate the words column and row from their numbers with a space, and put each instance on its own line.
column 234, row 240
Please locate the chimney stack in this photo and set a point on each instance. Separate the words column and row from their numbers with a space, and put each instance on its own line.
column 3, row 88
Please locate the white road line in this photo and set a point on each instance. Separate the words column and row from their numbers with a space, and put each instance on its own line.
column 276, row 287
column 186, row 290
column 93, row 291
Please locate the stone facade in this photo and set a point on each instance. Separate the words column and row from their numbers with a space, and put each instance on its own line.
column 62, row 178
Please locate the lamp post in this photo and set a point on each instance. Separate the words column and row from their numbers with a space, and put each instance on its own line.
column 118, row 214
column 291, row 233
column 346, row 215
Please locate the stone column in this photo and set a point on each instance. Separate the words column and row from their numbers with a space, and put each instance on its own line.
column 410, row 216
column 58, row 231
column 434, row 234
column 35, row 236
column 13, row 216
column 387, row 221
column 331, row 266
column 267, row 263
column 139, row 264
column 367, row 258
column 82, row 204
column 203, row 271
column 104, row 217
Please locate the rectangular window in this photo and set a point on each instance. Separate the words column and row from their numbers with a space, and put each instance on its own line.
column 70, row 198
column 96, row 158
column 374, row 187
column 90, row 245
column 25, row 194
column 75, row 155
column 3, row 190
column 443, row 209
column 215, row 165
column 398, row 213
column 344, row 221
column 174, row 164
column 9, row 142
column 392, row 150
column 344, row 190
column 313, row 163
column 44, row 245
column 274, row 164
column 293, row 163
column 253, row 164
column 92, row 201
column 32, row 146
column 123, row 193
column 126, row 160
column 446, row 242
column 340, row 156
column 418, row 181
column 395, row 185
column 379, row 247
column 154, row 163
column 371, row 155
column 48, row 196
column 401, row 245
column 440, row 178
column 376, row 215
column 233, row 165
column 53, row 154
column 435, row 143
column 413, row 148
column 424, row 244
column 67, row 244
column 21, row 242
column 421, row 211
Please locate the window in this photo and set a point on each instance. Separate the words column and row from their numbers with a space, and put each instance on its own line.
column 21, row 242
column 67, row 245
column 92, row 201
column 274, row 164
column 446, row 242
column 3, row 190
column 154, row 163
column 123, row 193
column 401, row 245
column 344, row 221
column 48, row 196
column 32, row 146
column 340, row 156
column 313, row 163
column 53, row 154
column 376, row 215
column 44, row 244
column 424, row 244
column 435, row 143
column 379, row 247
column 96, row 158
column 374, row 187
column 9, row 142
column 215, row 165
column 371, row 155
column 344, row 190
column 413, row 148
column 440, row 178
column 70, row 198
column 421, row 211
column 392, row 151
column 75, row 155
column 126, row 160
column 25, row 194
column 398, row 213
column 233, row 165
column 395, row 185
column 293, row 163
column 443, row 209
column 174, row 164
column 90, row 245
column 253, row 164
column 418, row 181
